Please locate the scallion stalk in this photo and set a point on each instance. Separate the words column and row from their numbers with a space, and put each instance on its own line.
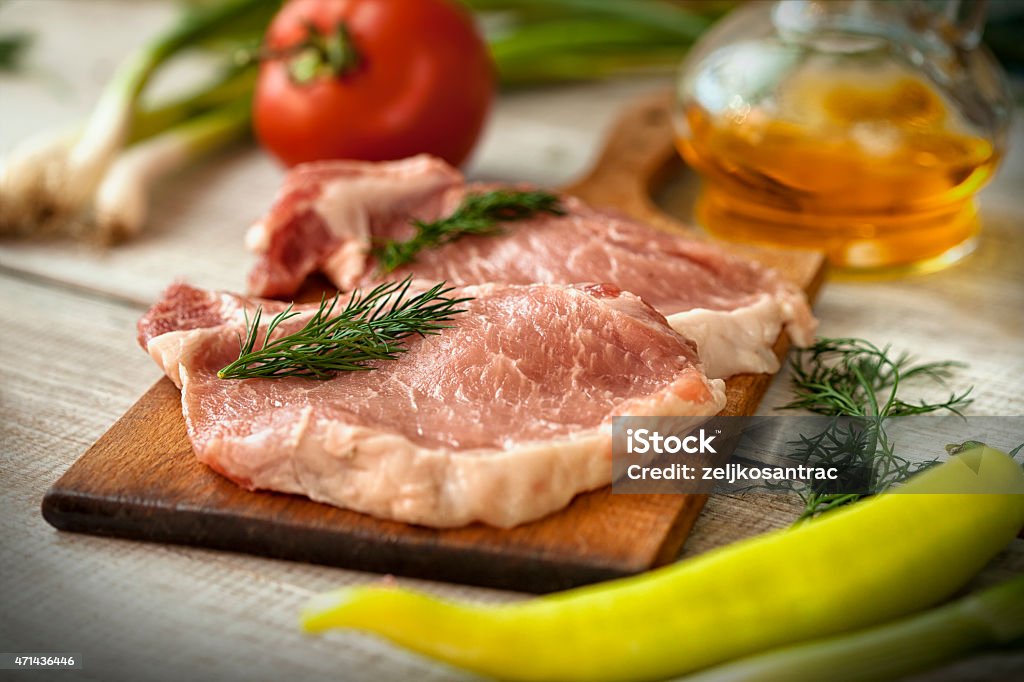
column 575, row 49
column 48, row 192
column 665, row 17
column 232, row 85
column 548, row 41
column 990, row 618
column 122, row 199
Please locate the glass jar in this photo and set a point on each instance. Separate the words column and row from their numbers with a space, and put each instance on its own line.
column 860, row 128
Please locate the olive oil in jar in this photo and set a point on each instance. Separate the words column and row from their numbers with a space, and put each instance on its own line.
column 879, row 171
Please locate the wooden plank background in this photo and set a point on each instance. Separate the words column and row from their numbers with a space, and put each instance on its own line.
column 70, row 367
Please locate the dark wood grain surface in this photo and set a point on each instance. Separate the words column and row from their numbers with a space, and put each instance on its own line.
column 141, row 480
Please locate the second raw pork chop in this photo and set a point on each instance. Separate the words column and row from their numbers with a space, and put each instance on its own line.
column 329, row 215
column 502, row 418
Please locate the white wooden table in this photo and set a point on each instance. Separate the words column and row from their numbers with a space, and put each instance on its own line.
column 70, row 366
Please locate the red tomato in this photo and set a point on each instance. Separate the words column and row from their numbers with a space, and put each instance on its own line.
column 422, row 81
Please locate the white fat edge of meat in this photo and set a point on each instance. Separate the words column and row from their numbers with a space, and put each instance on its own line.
column 167, row 351
column 346, row 204
column 668, row 403
column 370, row 470
column 734, row 341
column 269, row 460
column 556, row 462
column 170, row 349
column 801, row 324
column 532, row 480
column 346, row 265
column 387, row 475
column 257, row 237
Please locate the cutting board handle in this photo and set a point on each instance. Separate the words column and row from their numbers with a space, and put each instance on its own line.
column 638, row 156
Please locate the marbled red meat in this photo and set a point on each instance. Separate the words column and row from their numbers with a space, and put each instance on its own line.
column 502, row 418
column 732, row 308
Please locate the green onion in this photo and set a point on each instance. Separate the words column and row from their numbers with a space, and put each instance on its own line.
column 234, row 84
column 991, row 618
column 665, row 17
column 545, row 41
column 48, row 184
column 13, row 47
column 122, row 199
column 576, row 49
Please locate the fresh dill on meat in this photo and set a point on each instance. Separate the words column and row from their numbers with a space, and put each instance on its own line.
column 369, row 327
column 478, row 214
column 854, row 378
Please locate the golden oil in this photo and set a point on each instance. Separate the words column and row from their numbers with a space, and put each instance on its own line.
column 878, row 173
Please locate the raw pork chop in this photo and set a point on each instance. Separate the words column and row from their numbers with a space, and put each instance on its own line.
column 502, row 418
column 329, row 214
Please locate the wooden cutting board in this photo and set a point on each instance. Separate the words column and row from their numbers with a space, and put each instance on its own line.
column 140, row 480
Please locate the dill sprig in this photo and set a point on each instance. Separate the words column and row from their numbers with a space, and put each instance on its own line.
column 854, row 378
column 370, row 327
column 479, row 214
column 848, row 376
column 861, row 449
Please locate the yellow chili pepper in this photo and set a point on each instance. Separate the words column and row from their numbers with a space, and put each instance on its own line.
column 871, row 562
